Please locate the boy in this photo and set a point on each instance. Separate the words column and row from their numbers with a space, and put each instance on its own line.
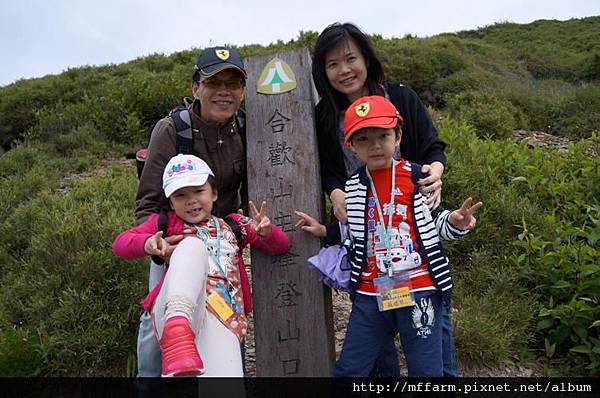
column 398, row 267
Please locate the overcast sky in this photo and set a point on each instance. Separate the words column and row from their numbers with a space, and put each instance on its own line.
column 39, row 37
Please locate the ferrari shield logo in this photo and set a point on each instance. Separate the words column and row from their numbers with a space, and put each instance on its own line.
column 223, row 54
column 276, row 78
column 362, row 109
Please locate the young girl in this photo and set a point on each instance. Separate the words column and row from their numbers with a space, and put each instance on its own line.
column 198, row 308
column 399, row 271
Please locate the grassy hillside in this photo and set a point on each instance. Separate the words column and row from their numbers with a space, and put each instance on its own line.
column 528, row 279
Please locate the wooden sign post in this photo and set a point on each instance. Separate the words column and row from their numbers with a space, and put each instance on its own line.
column 292, row 311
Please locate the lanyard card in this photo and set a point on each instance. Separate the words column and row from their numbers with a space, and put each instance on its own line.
column 393, row 291
column 220, row 306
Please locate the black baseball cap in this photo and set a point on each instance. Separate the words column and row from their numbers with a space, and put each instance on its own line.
column 212, row 60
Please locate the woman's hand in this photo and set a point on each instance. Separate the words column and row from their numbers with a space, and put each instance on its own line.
column 262, row 223
column 338, row 200
column 432, row 184
column 463, row 218
column 309, row 224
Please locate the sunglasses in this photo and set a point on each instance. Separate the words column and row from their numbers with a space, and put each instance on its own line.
column 215, row 84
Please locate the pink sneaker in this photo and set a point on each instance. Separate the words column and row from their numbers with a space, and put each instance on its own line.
column 179, row 354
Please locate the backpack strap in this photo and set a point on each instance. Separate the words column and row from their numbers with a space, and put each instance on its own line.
column 184, row 142
column 162, row 226
column 235, row 227
column 240, row 120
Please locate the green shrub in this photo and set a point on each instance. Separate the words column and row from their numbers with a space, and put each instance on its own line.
column 565, row 272
column 59, row 119
column 536, row 99
column 591, row 69
column 470, row 79
column 494, row 315
column 557, row 249
column 420, row 62
column 67, row 285
column 154, row 63
column 20, row 353
column 533, row 259
column 543, row 64
column 574, row 114
column 490, row 115
column 80, row 142
column 32, row 172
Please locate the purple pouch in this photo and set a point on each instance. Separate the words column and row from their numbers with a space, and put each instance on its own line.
column 332, row 265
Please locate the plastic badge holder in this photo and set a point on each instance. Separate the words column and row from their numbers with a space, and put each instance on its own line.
column 393, row 291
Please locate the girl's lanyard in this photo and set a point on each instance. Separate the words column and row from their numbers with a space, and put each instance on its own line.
column 216, row 255
column 387, row 232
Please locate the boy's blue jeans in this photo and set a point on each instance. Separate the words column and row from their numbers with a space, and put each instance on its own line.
column 370, row 331
column 387, row 364
column 448, row 352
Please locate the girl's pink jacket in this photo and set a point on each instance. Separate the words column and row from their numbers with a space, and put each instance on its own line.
column 130, row 245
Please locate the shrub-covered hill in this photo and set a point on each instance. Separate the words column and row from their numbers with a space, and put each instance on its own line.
column 540, row 76
column 528, row 278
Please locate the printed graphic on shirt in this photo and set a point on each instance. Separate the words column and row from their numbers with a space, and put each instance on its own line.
column 423, row 317
column 403, row 251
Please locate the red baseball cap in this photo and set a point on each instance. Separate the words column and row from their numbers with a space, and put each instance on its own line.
column 373, row 111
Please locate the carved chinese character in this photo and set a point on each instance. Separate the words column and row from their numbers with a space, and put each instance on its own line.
column 278, row 122
column 290, row 335
column 284, row 191
column 285, row 222
column 290, row 366
column 278, row 154
column 284, row 260
column 287, row 294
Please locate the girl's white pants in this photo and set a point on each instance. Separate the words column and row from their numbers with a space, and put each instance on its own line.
column 218, row 347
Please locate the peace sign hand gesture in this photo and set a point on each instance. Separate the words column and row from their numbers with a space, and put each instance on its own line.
column 463, row 218
column 261, row 223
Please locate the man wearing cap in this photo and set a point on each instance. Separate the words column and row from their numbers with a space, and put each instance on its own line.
column 218, row 84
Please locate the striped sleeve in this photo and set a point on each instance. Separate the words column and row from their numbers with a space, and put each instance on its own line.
column 446, row 230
